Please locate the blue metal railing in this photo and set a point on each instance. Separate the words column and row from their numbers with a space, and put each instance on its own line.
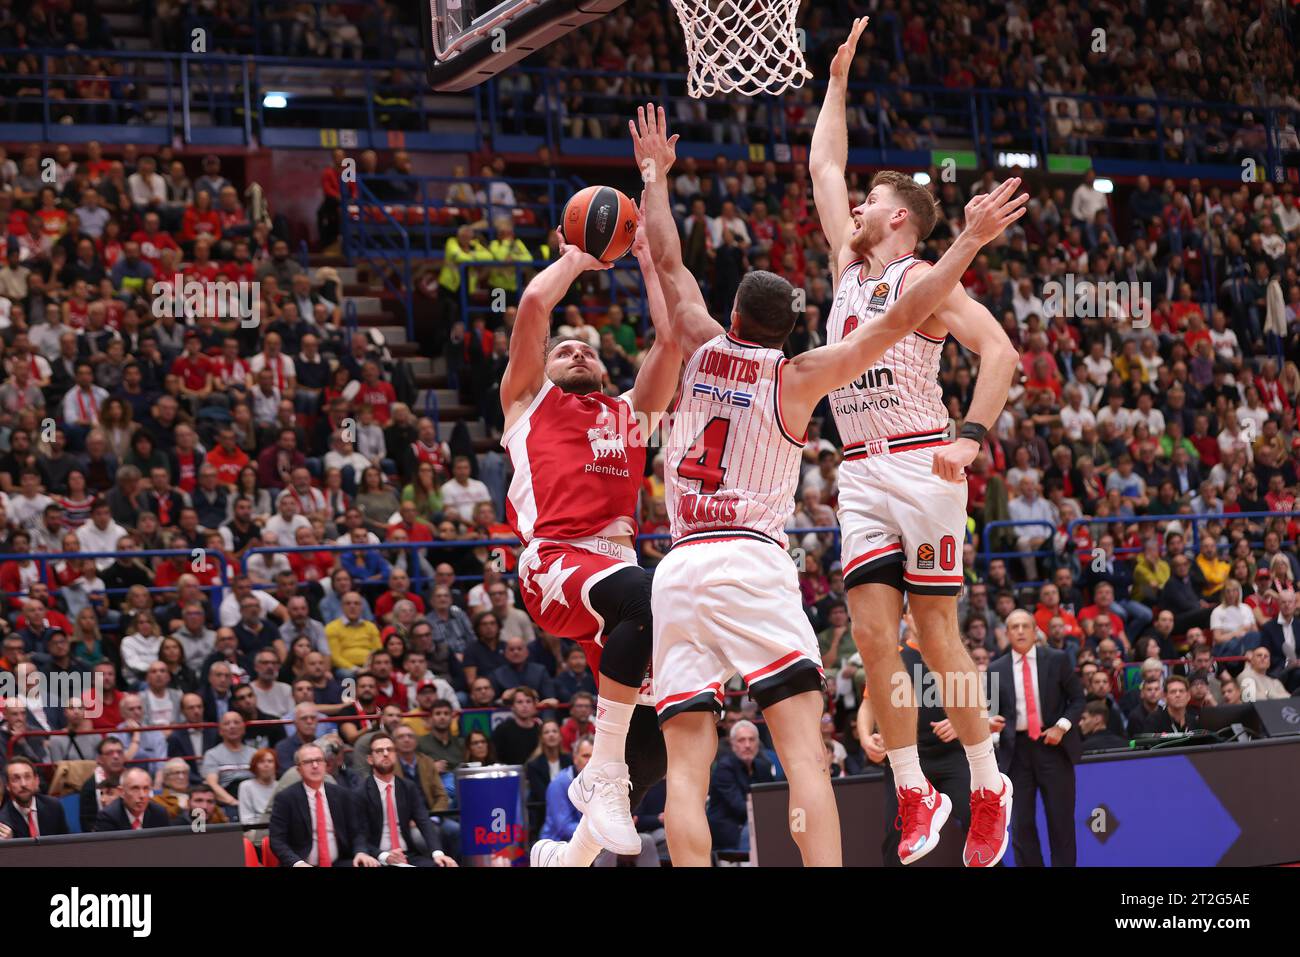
column 384, row 244
column 1191, row 524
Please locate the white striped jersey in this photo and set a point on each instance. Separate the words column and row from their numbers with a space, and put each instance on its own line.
column 900, row 394
column 731, row 464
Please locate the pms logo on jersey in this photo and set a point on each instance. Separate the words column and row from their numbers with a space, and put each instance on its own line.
column 734, row 397
column 925, row 557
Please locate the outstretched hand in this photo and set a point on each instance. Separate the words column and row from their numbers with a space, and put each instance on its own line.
column 988, row 214
column 844, row 55
column 654, row 149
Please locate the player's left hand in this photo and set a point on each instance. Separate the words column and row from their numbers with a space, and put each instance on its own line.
column 951, row 460
column 654, row 149
column 1053, row 735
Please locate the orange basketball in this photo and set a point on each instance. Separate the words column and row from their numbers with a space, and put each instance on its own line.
column 601, row 221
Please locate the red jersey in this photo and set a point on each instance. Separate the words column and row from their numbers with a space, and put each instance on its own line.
column 187, row 471
column 235, row 271
column 302, row 562
column 385, row 602
column 151, row 247
column 228, row 466
column 577, row 469
column 379, row 397
column 193, row 371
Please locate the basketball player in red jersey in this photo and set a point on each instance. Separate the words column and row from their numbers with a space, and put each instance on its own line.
column 902, row 497
column 579, row 460
column 726, row 598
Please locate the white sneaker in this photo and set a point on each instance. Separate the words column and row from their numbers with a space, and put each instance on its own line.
column 547, row 853
column 601, row 794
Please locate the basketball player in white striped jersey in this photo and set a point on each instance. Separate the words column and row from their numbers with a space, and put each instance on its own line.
column 902, row 503
column 725, row 600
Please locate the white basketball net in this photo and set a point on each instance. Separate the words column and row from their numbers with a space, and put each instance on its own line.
column 741, row 46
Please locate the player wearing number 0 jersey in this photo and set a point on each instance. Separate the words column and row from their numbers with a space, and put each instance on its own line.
column 726, row 598
column 579, row 460
column 902, row 499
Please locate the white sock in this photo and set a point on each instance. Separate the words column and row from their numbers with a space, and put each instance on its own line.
column 581, row 849
column 906, row 765
column 612, row 720
column 984, row 774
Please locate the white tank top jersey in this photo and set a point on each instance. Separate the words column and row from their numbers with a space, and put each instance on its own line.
column 732, row 465
column 899, row 397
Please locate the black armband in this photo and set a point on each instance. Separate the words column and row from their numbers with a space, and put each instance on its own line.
column 974, row 431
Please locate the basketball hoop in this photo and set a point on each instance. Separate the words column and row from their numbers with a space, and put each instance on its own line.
column 741, row 46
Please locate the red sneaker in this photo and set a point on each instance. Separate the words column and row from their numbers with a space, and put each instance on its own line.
column 990, row 822
column 920, row 817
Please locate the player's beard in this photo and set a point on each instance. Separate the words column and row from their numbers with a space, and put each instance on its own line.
column 866, row 238
column 576, row 382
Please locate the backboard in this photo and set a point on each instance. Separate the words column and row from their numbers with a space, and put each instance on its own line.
column 468, row 41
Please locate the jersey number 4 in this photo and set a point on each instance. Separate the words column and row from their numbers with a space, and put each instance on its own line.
column 707, row 467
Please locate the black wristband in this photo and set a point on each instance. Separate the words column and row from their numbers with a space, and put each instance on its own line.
column 974, row 431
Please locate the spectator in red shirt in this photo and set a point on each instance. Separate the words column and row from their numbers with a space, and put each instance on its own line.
column 376, row 393
column 1049, row 607
column 1103, row 598
column 103, row 701
column 194, row 369
column 201, row 220
column 310, row 566
column 153, row 240
column 579, row 720
column 399, row 588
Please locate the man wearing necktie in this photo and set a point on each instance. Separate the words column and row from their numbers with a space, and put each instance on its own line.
column 28, row 813
column 1039, row 694
column 315, row 823
column 134, row 810
column 391, row 804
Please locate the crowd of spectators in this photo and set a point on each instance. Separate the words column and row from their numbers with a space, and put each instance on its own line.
column 916, row 61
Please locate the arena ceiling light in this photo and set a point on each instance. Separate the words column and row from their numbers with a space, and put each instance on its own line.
column 275, row 101
column 1103, row 185
column 922, row 178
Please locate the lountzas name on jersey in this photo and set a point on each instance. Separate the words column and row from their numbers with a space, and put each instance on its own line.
column 78, row 911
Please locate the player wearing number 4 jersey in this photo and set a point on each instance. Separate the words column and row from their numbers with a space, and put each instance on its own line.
column 726, row 598
column 902, row 484
column 579, row 459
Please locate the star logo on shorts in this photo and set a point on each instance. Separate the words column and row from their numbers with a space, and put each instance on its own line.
column 551, row 583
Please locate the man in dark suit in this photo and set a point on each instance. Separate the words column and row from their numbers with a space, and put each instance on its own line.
column 134, row 810
column 1281, row 637
column 1041, row 697
column 390, row 806
column 26, row 802
column 735, row 773
column 110, row 759
column 315, row 823
column 192, row 743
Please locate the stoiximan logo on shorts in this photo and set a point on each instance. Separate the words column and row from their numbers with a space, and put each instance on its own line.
column 78, row 911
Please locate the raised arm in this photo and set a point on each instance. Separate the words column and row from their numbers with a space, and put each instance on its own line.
column 976, row 329
column 810, row 376
column 656, row 380
column 830, row 153
column 655, row 153
column 526, row 368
